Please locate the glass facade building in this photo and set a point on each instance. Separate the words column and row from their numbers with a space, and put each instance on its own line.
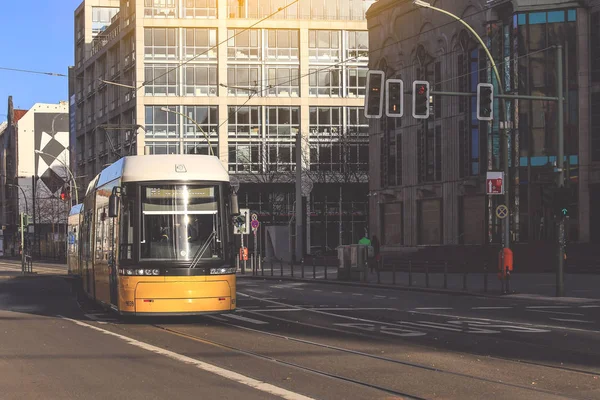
column 190, row 72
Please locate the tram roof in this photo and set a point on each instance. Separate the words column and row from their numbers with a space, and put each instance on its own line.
column 163, row 167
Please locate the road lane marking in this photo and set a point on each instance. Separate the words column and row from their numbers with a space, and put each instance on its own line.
column 572, row 320
column 433, row 308
column 239, row 317
column 546, row 307
column 590, row 306
column 317, row 290
column 222, row 372
column 491, row 308
column 556, row 312
column 544, row 326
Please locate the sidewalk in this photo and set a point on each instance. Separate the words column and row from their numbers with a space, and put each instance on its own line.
column 585, row 286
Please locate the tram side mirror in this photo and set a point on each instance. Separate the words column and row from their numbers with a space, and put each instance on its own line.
column 113, row 205
column 235, row 208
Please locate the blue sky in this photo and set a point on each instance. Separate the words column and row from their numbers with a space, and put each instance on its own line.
column 37, row 35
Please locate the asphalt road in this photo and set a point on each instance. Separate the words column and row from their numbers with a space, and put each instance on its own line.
column 299, row 340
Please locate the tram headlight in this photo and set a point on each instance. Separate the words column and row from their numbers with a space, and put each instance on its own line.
column 148, row 272
column 220, row 271
column 129, row 271
column 140, row 272
column 155, row 272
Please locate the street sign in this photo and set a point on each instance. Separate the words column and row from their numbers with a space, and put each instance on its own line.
column 494, row 183
column 501, row 211
column 254, row 224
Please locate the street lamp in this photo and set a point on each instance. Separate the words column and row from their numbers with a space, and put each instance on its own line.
column 165, row 109
column 421, row 3
column 68, row 170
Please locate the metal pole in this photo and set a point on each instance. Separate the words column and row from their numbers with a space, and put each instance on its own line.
column 299, row 218
column 22, row 245
column 560, row 285
column 33, row 189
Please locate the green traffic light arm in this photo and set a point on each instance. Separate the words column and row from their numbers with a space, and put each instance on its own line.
column 479, row 39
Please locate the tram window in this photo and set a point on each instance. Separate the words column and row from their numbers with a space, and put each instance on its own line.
column 126, row 232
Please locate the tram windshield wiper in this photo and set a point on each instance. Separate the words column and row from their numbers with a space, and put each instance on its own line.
column 200, row 252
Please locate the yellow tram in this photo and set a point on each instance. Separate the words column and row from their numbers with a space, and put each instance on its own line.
column 154, row 236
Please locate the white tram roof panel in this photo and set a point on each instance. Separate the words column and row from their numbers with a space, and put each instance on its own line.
column 165, row 167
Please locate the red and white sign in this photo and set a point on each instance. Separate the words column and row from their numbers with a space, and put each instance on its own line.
column 494, row 183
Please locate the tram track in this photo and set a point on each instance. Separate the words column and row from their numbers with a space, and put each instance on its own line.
column 348, row 351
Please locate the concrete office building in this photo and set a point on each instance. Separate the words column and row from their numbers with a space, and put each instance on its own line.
column 428, row 188
column 302, row 70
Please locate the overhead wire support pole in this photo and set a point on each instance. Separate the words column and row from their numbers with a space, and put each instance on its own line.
column 502, row 125
column 560, row 286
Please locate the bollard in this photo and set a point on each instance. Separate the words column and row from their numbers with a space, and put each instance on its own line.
column 485, row 278
column 445, row 274
column 378, row 275
column 465, row 281
column 292, row 268
column 281, row 266
column 302, row 266
column 409, row 272
column 271, row 267
column 262, row 266
column 314, row 268
column 426, row 276
column 325, row 262
column 252, row 264
column 507, row 281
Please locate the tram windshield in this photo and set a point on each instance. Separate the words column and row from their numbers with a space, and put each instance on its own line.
column 181, row 222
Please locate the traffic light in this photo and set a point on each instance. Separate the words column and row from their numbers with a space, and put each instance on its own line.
column 420, row 100
column 64, row 193
column 241, row 222
column 562, row 201
column 374, row 94
column 485, row 101
column 394, row 98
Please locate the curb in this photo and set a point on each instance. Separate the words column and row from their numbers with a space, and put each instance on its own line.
column 375, row 285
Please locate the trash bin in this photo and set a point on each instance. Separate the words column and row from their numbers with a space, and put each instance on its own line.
column 343, row 273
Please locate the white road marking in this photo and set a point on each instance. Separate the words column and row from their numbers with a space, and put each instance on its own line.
column 222, row 372
column 337, row 292
column 317, row 290
column 546, row 307
column 572, row 320
column 590, row 306
column 491, row 308
column 218, row 318
column 239, row 317
column 430, row 325
column 356, row 294
column 556, row 312
column 434, row 308
column 537, row 326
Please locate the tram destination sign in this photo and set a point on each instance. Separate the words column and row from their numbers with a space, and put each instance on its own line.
column 169, row 193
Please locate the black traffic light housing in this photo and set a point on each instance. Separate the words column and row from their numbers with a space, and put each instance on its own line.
column 485, row 101
column 374, row 94
column 420, row 100
column 394, row 98
column 65, row 193
column 561, row 201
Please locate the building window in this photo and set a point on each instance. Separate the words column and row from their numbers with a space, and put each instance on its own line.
column 243, row 80
column 160, row 8
column 356, row 81
column 101, row 18
column 161, row 124
column 356, row 122
column 283, row 81
column 200, row 80
column 200, row 9
column 244, row 44
column 201, row 147
column 281, row 156
column 325, row 121
column 282, row 44
column 244, row 122
column 160, row 43
column 245, row 156
column 206, row 117
column 161, row 79
column 282, row 122
column 358, row 46
column 199, row 43
column 323, row 46
column 325, row 82
column 161, row 147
